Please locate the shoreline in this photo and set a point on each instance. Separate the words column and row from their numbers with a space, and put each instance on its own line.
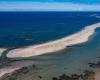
column 7, row 70
column 53, row 46
column 82, row 36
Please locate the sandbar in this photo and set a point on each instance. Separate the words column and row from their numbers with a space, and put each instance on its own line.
column 53, row 46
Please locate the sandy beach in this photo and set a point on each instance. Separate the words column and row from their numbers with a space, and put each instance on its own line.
column 53, row 46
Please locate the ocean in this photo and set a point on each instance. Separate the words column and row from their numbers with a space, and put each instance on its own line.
column 18, row 29
column 28, row 28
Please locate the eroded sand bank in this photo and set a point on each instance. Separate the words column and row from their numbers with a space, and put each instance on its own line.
column 53, row 46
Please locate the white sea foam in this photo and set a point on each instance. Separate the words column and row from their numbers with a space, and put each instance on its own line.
column 95, row 15
column 56, row 45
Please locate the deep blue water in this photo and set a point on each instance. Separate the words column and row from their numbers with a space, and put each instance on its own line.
column 27, row 28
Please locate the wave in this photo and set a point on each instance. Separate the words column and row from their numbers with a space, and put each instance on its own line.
column 95, row 15
column 53, row 46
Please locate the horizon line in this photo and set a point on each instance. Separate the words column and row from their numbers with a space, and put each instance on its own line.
column 46, row 6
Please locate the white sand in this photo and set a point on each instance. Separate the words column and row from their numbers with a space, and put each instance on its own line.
column 56, row 45
column 1, row 50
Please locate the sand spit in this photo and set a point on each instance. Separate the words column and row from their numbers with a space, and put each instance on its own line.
column 53, row 46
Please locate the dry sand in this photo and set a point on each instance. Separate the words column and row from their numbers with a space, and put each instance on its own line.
column 56, row 45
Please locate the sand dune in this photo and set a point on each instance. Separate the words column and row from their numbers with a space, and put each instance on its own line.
column 53, row 46
column 95, row 15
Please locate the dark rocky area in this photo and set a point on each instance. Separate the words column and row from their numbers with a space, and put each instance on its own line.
column 14, row 75
column 87, row 75
column 4, row 61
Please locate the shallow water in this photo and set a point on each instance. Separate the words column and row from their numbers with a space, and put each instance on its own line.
column 74, row 60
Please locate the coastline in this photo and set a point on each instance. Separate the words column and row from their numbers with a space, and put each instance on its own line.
column 82, row 36
column 57, row 45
